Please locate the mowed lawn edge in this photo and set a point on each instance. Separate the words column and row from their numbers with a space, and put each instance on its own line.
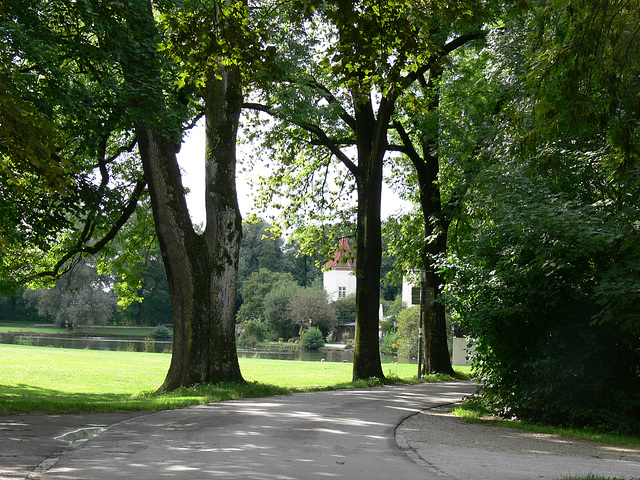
column 57, row 380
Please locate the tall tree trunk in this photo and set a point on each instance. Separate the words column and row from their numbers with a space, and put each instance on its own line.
column 437, row 358
column 372, row 145
column 203, row 350
column 366, row 360
column 223, row 232
column 201, row 269
column 436, row 348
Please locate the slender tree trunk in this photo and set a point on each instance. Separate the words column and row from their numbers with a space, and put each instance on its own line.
column 436, row 349
column 14, row 305
column 437, row 358
column 140, row 313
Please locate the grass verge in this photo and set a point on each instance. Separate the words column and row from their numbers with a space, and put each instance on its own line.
column 56, row 380
column 474, row 412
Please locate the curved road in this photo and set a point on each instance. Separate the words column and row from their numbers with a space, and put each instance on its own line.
column 341, row 434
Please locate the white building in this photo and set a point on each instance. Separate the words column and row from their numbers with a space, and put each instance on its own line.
column 339, row 278
column 411, row 290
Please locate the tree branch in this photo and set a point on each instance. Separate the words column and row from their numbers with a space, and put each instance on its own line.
column 100, row 244
column 321, row 136
column 446, row 49
column 329, row 97
column 407, row 147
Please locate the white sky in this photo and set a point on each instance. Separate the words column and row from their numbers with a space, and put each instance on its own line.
column 191, row 160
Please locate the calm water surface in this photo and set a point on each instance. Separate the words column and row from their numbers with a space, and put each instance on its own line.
column 138, row 345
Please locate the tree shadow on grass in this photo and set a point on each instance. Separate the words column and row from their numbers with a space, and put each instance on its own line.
column 23, row 398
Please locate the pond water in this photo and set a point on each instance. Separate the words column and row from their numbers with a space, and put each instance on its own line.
column 86, row 343
column 138, row 345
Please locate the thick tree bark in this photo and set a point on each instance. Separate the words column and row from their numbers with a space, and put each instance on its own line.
column 437, row 358
column 223, row 232
column 436, row 348
column 199, row 281
column 371, row 135
column 366, row 360
column 201, row 269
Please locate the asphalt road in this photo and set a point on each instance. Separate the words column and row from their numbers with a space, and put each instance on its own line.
column 341, row 434
column 399, row 432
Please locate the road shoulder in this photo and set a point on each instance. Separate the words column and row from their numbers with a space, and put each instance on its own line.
column 456, row 448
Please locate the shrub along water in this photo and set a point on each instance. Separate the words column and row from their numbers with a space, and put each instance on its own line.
column 313, row 340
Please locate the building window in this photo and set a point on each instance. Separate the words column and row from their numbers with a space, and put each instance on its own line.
column 342, row 292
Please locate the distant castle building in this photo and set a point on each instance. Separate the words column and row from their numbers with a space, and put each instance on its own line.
column 338, row 277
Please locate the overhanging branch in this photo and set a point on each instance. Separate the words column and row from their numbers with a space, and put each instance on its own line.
column 444, row 51
column 100, row 244
column 322, row 138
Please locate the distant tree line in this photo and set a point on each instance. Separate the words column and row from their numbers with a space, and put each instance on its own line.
column 280, row 291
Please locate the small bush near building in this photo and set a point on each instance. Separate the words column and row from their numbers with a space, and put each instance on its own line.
column 161, row 332
column 407, row 335
column 313, row 339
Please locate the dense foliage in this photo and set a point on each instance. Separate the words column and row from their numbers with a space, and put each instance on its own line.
column 407, row 336
column 545, row 278
column 550, row 293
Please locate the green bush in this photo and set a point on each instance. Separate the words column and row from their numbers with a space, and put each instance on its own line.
column 550, row 294
column 277, row 309
column 345, row 309
column 247, row 340
column 407, row 334
column 313, row 339
column 25, row 341
column 255, row 328
column 389, row 345
column 161, row 332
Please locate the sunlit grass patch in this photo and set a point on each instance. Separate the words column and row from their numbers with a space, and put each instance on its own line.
column 56, row 380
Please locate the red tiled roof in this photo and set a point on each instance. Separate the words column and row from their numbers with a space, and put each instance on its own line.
column 343, row 258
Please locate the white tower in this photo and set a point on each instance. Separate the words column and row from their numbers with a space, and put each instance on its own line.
column 338, row 278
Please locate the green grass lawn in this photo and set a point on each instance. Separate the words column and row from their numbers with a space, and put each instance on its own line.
column 56, row 380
